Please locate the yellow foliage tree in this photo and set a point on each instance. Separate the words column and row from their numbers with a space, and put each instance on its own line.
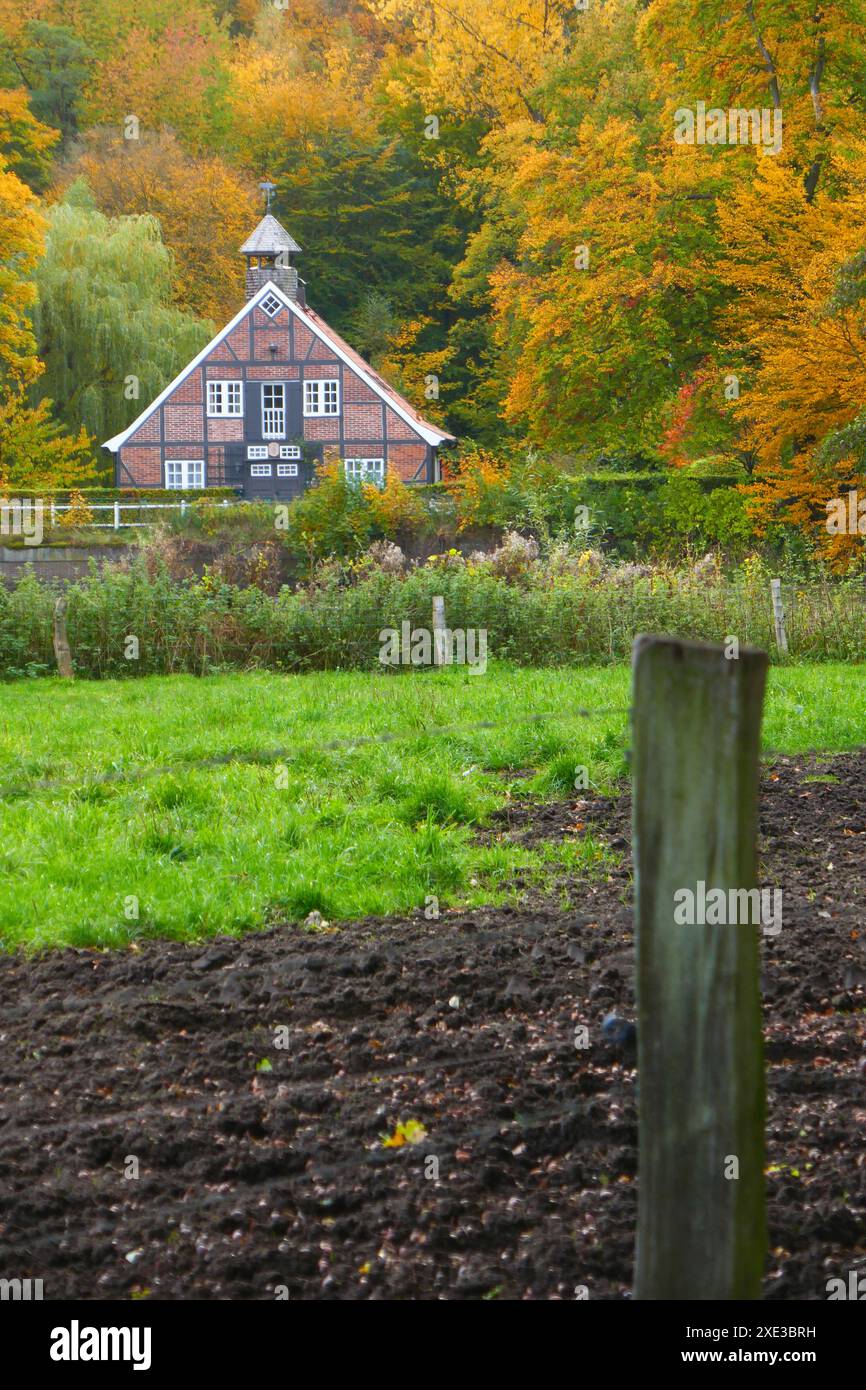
column 394, row 507
column 25, row 143
column 292, row 82
column 79, row 514
column 476, row 483
column 35, row 452
column 22, row 236
column 482, row 59
column 415, row 374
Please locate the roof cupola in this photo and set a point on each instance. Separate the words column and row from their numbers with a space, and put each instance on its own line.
column 270, row 253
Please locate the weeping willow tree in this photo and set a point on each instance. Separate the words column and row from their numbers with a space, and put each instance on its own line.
column 106, row 331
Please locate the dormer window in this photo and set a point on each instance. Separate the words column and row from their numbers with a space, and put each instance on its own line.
column 322, row 397
column 271, row 304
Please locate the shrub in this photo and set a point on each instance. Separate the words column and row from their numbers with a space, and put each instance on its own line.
column 515, row 557
column 79, row 514
column 394, row 507
column 581, row 616
column 386, row 556
column 331, row 518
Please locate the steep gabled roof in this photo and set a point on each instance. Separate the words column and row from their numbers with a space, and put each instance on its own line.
column 379, row 384
column 431, row 434
column 269, row 238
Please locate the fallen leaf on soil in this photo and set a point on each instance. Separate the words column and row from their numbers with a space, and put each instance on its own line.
column 407, row 1132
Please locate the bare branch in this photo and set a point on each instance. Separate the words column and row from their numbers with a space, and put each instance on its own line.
column 769, row 64
column 815, row 78
column 817, row 72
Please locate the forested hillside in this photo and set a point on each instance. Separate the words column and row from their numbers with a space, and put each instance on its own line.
column 497, row 205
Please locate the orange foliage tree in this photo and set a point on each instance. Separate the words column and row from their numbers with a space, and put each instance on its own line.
column 33, row 449
column 205, row 209
column 800, row 343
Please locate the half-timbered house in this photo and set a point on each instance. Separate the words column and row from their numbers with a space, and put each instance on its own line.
column 261, row 405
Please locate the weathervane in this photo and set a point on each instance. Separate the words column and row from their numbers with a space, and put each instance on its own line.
column 269, row 190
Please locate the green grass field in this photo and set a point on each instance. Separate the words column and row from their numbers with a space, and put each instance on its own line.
column 355, row 829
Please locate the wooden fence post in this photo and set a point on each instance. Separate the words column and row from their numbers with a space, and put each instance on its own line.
column 62, row 651
column 779, row 615
column 439, row 654
column 697, row 719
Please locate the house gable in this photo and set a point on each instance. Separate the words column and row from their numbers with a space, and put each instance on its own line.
column 308, row 339
column 276, row 390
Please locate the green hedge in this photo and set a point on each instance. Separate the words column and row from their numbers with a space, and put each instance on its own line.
column 201, row 627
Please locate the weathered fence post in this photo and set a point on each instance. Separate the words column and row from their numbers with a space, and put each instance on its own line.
column 439, row 654
column 701, row 1218
column 62, row 651
column 116, row 515
column 779, row 615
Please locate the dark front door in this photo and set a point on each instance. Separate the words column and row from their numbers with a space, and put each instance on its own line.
column 260, row 478
column 273, row 432
column 283, row 478
column 234, row 467
column 291, row 478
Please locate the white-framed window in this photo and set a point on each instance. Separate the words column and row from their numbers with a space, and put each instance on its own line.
column 271, row 304
column 260, row 470
column 322, row 397
column 289, row 451
column 287, row 470
column 225, row 398
column 184, row 473
column 257, row 451
column 273, row 409
column 366, row 471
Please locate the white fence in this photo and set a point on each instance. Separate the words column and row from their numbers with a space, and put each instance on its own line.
column 117, row 509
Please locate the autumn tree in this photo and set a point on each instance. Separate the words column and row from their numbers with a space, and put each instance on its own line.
column 802, row 60
column 795, row 334
column 292, row 84
column 505, row 85
column 26, row 144
column 485, row 59
column 22, row 233
column 205, row 210
column 608, row 306
column 607, row 299
column 34, row 451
